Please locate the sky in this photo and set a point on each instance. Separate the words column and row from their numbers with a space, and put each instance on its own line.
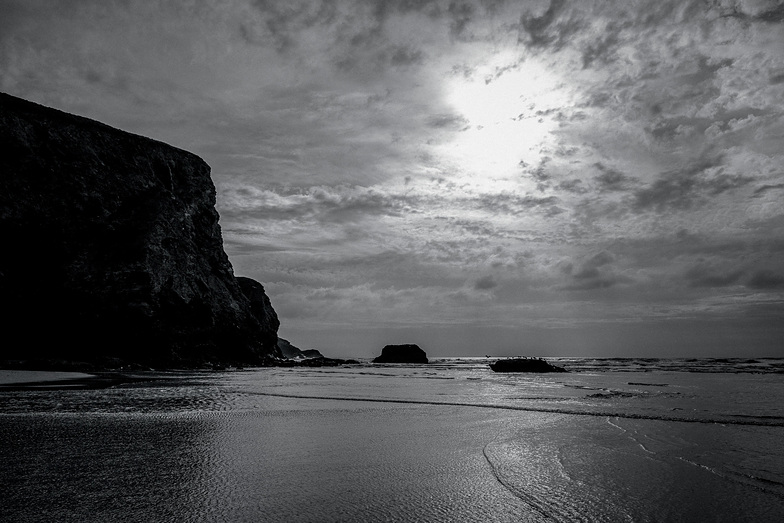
column 486, row 177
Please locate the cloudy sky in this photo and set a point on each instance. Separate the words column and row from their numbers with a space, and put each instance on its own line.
column 497, row 177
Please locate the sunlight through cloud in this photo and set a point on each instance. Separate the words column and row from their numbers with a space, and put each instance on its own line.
column 511, row 109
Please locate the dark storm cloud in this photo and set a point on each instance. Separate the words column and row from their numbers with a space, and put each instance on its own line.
column 594, row 273
column 772, row 15
column 603, row 49
column 403, row 55
column 379, row 58
column 724, row 122
column 611, row 179
column 706, row 276
column 700, row 258
column 597, row 30
column 674, row 190
column 725, row 182
column 485, row 283
column 461, row 13
column 574, row 186
column 706, row 71
column 282, row 21
column 353, row 34
column 766, row 280
column 361, row 23
column 590, row 268
column 683, row 188
column 547, row 29
column 541, row 173
column 765, row 188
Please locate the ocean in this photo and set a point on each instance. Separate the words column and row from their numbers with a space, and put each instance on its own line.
column 612, row 440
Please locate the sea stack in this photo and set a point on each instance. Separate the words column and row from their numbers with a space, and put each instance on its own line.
column 408, row 353
column 112, row 252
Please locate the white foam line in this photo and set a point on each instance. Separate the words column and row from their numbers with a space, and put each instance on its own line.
column 537, row 504
column 638, row 442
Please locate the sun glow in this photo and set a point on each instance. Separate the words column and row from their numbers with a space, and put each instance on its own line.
column 509, row 119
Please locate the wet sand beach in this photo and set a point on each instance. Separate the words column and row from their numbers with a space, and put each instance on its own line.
column 397, row 443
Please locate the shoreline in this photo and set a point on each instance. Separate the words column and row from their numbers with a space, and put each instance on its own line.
column 44, row 380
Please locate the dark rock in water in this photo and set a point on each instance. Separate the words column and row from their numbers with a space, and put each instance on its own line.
column 291, row 352
column 525, row 365
column 320, row 361
column 112, row 251
column 408, row 353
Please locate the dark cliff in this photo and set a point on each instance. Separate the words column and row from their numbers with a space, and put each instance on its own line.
column 111, row 250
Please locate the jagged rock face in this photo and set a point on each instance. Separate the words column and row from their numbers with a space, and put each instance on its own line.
column 112, row 249
column 261, row 308
column 289, row 351
column 407, row 353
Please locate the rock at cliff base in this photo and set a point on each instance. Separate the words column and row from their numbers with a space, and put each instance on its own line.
column 408, row 353
column 112, row 250
column 289, row 351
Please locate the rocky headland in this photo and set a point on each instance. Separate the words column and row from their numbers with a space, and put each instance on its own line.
column 291, row 352
column 296, row 357
column 407, row 353
column 112, row 252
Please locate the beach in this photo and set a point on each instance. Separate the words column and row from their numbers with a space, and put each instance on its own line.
column 449, row 441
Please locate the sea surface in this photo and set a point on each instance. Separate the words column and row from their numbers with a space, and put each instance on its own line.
column 612, row 440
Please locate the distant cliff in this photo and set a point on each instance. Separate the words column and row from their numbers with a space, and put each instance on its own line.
column 111, row 251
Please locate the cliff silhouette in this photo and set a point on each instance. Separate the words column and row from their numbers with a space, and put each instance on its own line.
column 112, row 252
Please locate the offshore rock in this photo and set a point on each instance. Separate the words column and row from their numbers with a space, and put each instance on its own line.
column 525, row 365
column 319, row 361
column 112, row 251
column 408, row 353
